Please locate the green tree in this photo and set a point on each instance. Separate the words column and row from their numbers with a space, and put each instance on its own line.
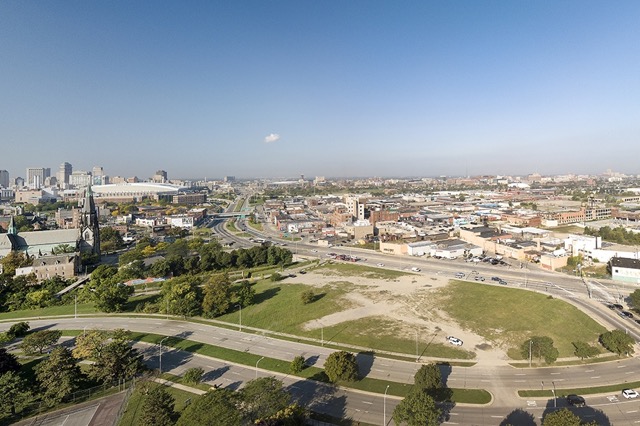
column 341, row 366
column 15, row 392
column 562, row 417
column 417, row 409
column 217, row 407
column 110, row 239
column 157, row 408
column 111, row 296
column 263, row 397
column 245, row 293
column 14, row 260
column 117, row 361
column 193, row 375
column 584, row 350
column 635, row 299
column 617, row 341
column 539, row 347
column 90, row 344
column 182, row 295
column 428, row 378
column 38, row 341
column 217, row 296
column 58, row 375
column 275, row 277
column 8, row 362
column 297, row 365
column 18, row 329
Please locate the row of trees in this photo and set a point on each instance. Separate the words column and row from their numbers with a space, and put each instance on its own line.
column 58, row 375
column 619, row 235
column 541, row 347
column 262, row 402
column 195, row 256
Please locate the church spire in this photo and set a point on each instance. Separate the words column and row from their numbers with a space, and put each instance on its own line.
column 11, row 229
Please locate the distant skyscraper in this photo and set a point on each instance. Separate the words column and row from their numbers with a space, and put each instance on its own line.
column 4, row 179
column 229, row 178
column 63, row 174
column 99, row 178
column 80, row 179
column 160, row 176
column 36, row 176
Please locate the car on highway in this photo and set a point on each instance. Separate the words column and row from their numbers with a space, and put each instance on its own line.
column 460, row 274
column 415, row 269
column 479, row 278
column 625, row 314
column 314, row 250
column 495, row 278
column 576, row 400
column 501, row 281
column 380, row 264
column 629, row 393
column 454, row 341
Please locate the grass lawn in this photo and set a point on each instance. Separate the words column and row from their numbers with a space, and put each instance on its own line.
column 511, row 316
column 353, row 269
column 256, row 226
column 279, row 307
column 134, row 407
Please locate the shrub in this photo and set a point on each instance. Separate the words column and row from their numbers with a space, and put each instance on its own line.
column 307, row 296
column 297, row 365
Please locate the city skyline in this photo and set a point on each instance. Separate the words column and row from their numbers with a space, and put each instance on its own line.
column 208, row 89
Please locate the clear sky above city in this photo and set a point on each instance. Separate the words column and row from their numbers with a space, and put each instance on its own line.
column 330, row 88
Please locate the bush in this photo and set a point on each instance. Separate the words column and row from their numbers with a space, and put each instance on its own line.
column 18, row 329
column 307, row 296
column 275, row 277
column 297, row 365
column 193, row 375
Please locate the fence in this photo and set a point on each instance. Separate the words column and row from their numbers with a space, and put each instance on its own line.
column 38, row 408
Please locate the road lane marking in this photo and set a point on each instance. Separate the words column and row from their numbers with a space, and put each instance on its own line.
column 587, row 371
column 367, row 402
column 521, row 374
column 595, row 377
column 555, row 373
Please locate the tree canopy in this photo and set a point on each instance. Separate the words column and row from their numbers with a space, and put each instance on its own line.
column 58, row 375
column 341, row 366
column 617, row 341
column 539, row 347
column 417, row 409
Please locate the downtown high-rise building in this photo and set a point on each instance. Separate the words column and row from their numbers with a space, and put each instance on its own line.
column 4, row 179
column 36, row 176
column 64, row 171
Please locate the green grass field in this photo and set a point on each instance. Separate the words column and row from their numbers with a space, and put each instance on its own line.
column 511, row 316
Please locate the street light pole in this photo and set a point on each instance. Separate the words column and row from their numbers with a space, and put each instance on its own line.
column 384, row 407
column 529, row 353
column 240, row 322
column 257, row 366
column 161, row 352
column 554, row 394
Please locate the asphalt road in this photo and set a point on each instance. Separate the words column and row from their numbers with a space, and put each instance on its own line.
column 501, row 381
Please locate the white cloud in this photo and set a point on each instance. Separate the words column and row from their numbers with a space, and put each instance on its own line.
column 273, row 137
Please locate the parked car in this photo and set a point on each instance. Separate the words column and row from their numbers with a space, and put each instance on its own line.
column 629, row 393
column 454, row 341
column 576, row 400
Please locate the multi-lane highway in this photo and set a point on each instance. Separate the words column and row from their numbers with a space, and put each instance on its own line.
column 502, row 381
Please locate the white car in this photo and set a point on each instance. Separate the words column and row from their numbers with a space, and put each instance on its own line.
column 454, row 341
column 629, row 393
column 415, row 269
column 380, row 264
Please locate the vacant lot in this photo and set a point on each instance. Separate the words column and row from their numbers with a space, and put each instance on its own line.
column 508, row 316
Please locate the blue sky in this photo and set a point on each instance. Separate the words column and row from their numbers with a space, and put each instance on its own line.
column 330, row 88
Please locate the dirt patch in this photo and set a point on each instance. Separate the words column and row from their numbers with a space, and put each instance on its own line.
column 412, row 299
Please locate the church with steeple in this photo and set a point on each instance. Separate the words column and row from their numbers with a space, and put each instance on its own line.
column 42, row 243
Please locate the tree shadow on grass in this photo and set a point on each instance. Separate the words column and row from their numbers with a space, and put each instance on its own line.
column 266, row 295
column 519, row 417
column 318, row 296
